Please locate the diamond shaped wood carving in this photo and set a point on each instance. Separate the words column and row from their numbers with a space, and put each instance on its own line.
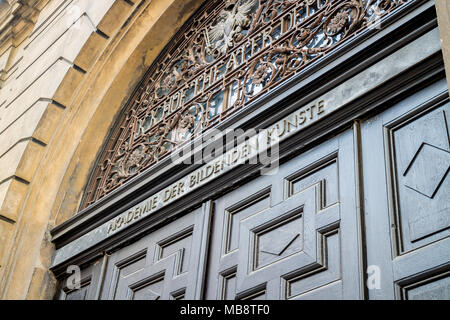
column 427, row 170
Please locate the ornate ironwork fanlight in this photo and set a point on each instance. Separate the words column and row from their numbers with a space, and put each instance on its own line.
column 228, row 54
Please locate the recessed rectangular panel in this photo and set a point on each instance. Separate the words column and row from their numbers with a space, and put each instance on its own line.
column 133, row 266
column 179, row 245
column 435, row 289
column 257, row 296
column 179, row 294
column 149, row 291
column 421, row 162
column 235, row 216
column 79, row 294
column 326, row 174
column 328, row 272
column 229, row 287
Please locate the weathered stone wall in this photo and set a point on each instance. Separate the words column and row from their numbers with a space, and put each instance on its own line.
column 443, row 15
column 66, row 68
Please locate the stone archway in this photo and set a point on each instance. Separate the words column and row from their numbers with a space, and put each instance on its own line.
column 113, row 48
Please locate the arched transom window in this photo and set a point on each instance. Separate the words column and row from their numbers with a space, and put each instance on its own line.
column 227, row 55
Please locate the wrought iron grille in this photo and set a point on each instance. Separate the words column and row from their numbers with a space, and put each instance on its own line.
column 227, row 55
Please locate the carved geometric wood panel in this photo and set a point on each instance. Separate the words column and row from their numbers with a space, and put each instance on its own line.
column 87, row 286
column 436, row 288
column 405, row 152
column 77, row 294
column 327, row 270
column 277, row 241
column 420, row 150
column 296, row 250
column 280, row 236
column 162, row 265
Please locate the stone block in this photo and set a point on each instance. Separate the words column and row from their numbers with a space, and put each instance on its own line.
column 38, row 122
column 12, row 194
column 6, row 229
column 91, row 50
column 44, row 87
column 115, row 17
column 48, row 13
column 10, row 160
column 21, row 161
column 65, row 47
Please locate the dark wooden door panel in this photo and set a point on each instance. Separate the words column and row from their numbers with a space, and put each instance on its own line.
column 87, row 286
column 283, row 236
column 296, row 234
column 420, row 160
column 163, row 265
column 406, row 157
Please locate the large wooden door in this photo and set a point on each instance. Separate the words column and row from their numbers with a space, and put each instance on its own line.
column 291, row 235
column 303, row 232
column 406, row 158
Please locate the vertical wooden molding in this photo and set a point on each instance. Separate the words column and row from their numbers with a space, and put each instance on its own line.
column 207, row 211
column 101, row 278
column 359, row 198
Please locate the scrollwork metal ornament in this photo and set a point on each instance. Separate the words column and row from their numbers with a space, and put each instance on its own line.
column 227, row 55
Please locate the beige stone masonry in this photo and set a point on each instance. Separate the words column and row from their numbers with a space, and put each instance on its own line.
column 45, row 87
column 6, row 229
column 16, row 24
column 38, row 123
column 443, row 14
column 12, row 192
column 76, row 71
